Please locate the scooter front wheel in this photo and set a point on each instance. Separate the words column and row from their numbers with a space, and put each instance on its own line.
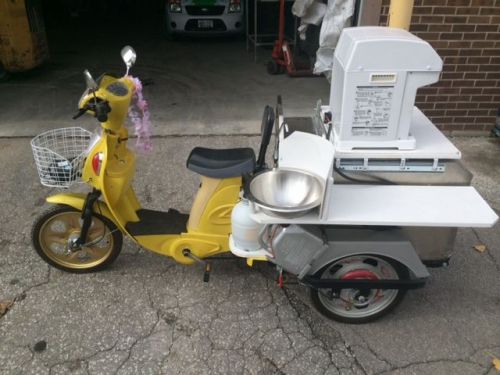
column 56, row 230
column 359, row 305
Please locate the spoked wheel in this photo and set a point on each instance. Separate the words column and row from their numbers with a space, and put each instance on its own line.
column 55, row 232
column 359, row 305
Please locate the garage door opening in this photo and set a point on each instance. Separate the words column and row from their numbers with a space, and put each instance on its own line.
column 194, row 85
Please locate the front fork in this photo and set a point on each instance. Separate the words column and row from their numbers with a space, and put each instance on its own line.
column 87, row 211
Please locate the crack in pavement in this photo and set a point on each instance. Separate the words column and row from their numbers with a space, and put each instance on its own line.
column 445, row 360
column 364, row 344
column 136, row 341
column 24, row 293
column 294, row 303
column 148, row 334
column 488, row 253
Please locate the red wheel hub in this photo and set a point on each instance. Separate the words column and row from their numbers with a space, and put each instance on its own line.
column 363, row 275
column 359, row 274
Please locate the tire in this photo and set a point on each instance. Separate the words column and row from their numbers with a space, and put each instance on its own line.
column 274, row 68
column 51, row 242
column 374, row 304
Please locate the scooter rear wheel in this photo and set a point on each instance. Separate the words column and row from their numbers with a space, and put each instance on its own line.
column 56, row 229
column 359, row 305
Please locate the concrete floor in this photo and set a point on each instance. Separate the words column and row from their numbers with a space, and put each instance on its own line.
column 194, row 86
column 147, row 314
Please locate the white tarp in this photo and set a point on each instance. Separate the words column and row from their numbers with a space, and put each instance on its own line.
column 336, row 15
column 311, row 12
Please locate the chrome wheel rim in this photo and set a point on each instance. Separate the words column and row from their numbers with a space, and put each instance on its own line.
column 359, row 303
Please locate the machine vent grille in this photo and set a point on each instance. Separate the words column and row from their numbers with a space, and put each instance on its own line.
column 383, row 77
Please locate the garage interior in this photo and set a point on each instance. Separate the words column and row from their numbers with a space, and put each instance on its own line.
column 195, row 85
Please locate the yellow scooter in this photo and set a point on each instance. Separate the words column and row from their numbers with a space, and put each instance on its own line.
column 83, row 233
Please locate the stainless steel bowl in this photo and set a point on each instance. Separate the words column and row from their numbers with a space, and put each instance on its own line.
column 286, row 192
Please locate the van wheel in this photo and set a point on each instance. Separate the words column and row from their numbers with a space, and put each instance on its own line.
column 359, row 305
column 56, row 229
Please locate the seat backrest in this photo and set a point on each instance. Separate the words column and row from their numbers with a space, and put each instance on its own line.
column 266, row 131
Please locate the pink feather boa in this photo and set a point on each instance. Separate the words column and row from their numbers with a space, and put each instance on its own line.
column 139, row 115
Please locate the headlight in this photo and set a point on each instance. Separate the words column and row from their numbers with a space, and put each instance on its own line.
column 174, row 6
column 234, row 6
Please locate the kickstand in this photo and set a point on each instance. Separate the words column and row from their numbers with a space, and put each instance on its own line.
column 207, row 266
column 206, row 274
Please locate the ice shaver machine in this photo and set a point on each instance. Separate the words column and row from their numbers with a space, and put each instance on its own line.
column 376, row 74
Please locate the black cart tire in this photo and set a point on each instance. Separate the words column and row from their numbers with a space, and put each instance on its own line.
column 359, row 306
column 57, row 226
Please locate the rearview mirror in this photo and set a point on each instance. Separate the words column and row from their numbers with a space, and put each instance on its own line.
column 89, row 81
column 129, row 56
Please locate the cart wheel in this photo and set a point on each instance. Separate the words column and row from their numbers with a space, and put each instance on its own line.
column 55, row 230
column 4, row 75
column 274, row 68
column 359, row 305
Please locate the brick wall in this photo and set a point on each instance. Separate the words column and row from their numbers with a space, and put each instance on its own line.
column 466, row 34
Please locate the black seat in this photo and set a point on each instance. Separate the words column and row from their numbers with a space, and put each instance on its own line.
column 225, row 163
column 232, row 162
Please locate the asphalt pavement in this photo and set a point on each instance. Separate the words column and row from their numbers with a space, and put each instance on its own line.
column 149, row 315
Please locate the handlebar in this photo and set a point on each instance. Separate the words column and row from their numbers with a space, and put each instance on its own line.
column 100, row 109
column 80, row 112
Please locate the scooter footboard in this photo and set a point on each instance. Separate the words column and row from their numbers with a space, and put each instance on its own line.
column 306, row 249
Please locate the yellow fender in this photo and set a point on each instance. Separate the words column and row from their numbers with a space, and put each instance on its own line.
column 77, row 200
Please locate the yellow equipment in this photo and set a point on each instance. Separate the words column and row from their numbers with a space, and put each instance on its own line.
column 400, row 12
column 23, row 43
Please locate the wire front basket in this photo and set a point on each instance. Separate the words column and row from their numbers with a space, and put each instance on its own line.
column 59, row 155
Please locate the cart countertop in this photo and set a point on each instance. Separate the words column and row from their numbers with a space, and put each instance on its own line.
column 382, row 205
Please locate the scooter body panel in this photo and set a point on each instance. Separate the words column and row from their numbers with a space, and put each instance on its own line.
column 115, row 175
column 201, row 245
column 209, row 223
column 213, row 204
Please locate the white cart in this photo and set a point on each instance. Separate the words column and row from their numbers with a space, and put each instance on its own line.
column 391, row 193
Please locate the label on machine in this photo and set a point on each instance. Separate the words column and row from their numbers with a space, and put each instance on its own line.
column 372, row 110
